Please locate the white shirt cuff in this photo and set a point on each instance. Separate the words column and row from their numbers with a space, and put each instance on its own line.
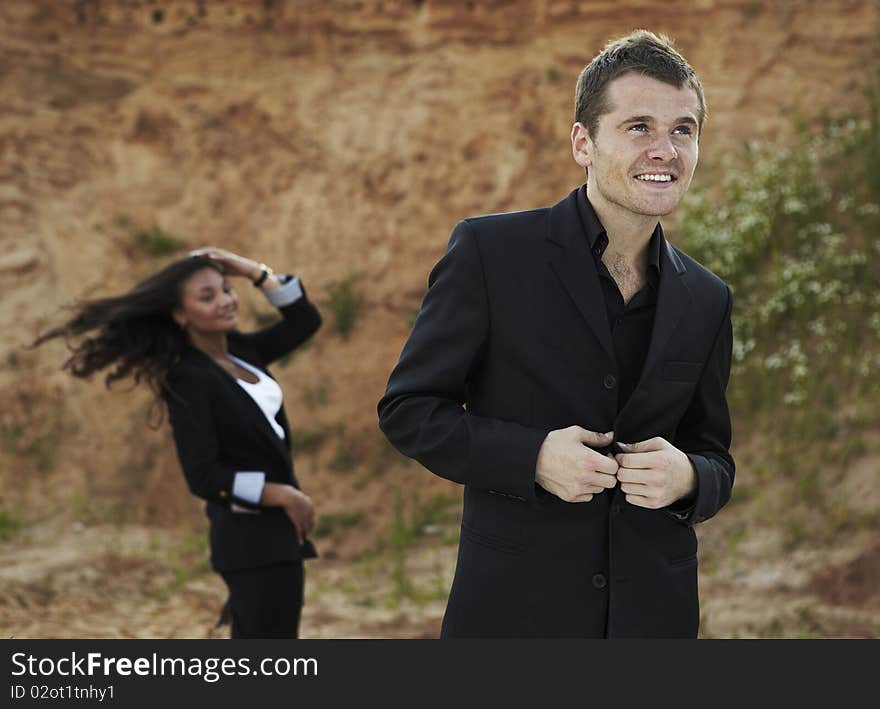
column 286, row 294
column 248, row 485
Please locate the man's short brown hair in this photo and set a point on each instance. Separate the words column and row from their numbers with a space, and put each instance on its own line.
column 641, row 52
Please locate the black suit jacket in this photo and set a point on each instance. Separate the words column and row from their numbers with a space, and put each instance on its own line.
column 220, row 430
column 512, row 341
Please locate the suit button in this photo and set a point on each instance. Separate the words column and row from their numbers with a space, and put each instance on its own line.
column 610, row 381
column 599, row 580
column 615, row 508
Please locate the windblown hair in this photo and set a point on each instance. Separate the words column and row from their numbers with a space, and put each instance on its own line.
column 134, row 333
column 641, row 52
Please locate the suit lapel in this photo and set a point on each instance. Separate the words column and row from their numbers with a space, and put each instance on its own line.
column 673, row 301
column 254, row 413
column 571, row 260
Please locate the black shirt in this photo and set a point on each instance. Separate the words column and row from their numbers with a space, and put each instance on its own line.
column 631, row 323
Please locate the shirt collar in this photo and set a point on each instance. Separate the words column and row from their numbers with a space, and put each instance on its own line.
column 597, row 238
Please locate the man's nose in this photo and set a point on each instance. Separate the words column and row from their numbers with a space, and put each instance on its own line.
column 663, row 149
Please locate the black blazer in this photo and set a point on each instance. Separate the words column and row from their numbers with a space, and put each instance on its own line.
column 220, row 430
column 512, row 341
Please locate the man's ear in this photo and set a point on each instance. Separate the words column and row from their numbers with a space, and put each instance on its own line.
column 581, row 145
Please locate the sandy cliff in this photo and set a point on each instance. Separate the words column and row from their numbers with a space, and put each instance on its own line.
column 340, row 140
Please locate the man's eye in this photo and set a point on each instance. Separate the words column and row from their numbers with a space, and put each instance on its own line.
column 639, row 127
column 683, row 130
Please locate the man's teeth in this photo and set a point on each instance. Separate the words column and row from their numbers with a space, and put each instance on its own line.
column 655, row 178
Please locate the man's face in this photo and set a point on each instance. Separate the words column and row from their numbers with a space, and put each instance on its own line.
column 643, row 155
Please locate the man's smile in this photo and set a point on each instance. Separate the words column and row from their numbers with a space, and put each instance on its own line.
column 658, row 179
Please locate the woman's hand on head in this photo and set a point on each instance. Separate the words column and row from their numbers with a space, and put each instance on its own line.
column 233, row 264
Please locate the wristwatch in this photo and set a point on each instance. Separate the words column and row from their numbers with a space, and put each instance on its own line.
column 266, row 272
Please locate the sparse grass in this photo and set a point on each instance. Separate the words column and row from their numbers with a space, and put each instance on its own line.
column 190, row 557
column 404, row 533
column 406, row 530
column 82, row 510
column 736, row 537
column 403, row 586
column 286, row 358
column 309, row 440
column 9, row 525
column 401, row 534
column 794, row 532
column 345, row 307
column 39, row 442
column 771, row 629
column 10, row 434
column 809, row 486
column 384, row 456
column 343, row 459
column 552, row 74
column 317, row 395
column 809, row 625
column 753, row 9
column 743, row 492
column 331, row 524
column 156, row 242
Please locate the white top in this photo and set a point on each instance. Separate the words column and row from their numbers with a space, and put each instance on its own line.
column 248, row 484
column 265, row 392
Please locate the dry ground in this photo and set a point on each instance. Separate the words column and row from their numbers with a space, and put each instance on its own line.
column 139, row 582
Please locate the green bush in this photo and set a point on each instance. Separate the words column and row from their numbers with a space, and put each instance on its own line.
column 795, row 235
column 345, row 307
column 9, row 525
column 157, row 243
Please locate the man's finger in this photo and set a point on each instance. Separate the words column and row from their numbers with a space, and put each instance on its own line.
column 607, row 466
column 645, row 461
column 642, row 476
column 631, row 475
column 635, row 489
column 641, row 501
column 585, row 497
column 600, row 480
column 652, row 444
column 593, row 439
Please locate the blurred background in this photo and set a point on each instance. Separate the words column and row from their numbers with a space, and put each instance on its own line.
column 341, row 141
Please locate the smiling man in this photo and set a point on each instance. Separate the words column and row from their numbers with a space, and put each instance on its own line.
column 569, row 368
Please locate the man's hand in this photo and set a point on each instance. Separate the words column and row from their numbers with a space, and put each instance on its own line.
column 571, row 470
column 654, row 473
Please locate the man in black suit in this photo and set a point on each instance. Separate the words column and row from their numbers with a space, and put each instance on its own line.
column 569, row 367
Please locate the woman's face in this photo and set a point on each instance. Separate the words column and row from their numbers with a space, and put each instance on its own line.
column 208, row 303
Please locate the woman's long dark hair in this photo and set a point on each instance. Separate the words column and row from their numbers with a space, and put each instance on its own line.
column 134, row 333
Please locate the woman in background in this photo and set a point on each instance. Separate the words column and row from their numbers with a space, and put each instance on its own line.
column 176, row 331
